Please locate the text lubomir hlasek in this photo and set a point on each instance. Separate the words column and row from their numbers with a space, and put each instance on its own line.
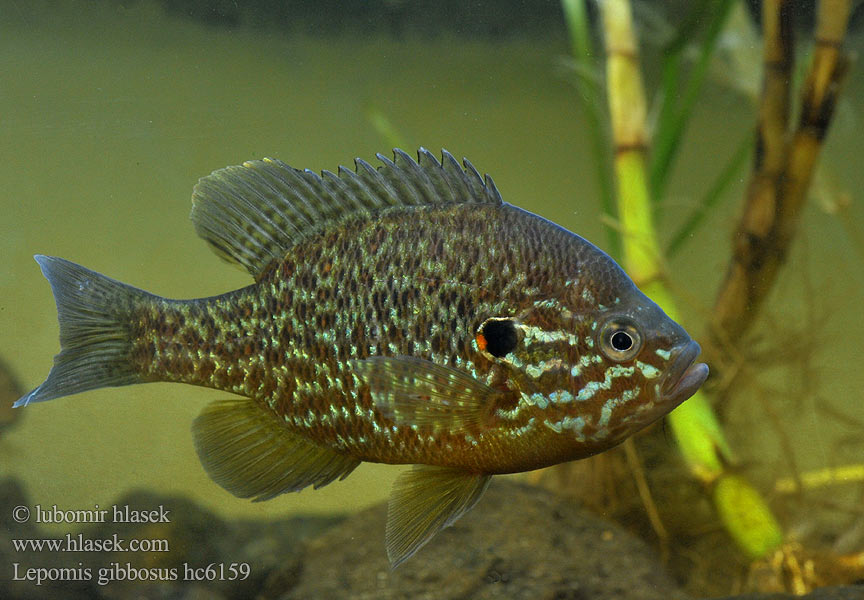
column 116, row 514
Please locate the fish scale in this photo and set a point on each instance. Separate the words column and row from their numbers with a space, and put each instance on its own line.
column 317, row 355
column 402, row 315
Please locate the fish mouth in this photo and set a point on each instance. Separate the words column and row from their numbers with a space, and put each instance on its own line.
column 684, row 376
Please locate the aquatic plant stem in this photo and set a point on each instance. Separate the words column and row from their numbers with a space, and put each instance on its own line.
column 695, row 427
column 591, row 100
column 846, row 474
column 627, row 112
column 675, row 115
column 784, row 163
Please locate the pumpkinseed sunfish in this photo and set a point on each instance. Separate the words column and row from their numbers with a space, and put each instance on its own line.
column 402, row 315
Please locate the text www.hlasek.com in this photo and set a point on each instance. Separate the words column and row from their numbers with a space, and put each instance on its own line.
column 114, row 571
column 79, row 543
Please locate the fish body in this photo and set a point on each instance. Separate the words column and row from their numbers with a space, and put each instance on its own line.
column 402, row 315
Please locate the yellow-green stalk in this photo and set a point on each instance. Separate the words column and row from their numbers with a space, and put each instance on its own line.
column 746, row 516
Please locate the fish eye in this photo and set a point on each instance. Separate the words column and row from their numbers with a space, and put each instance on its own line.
column 497, row 336
column 620, row 339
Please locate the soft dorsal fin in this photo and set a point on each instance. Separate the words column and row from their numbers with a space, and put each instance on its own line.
column 251, row 214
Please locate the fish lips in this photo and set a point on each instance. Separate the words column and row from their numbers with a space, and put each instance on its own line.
column 684, row 376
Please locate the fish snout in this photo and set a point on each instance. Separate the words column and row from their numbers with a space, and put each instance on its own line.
column 684, row 375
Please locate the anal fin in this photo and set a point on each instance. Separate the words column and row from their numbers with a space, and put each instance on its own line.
column 250, row 453
column 424, row 501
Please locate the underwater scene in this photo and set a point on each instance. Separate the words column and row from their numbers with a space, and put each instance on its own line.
column 546, row 299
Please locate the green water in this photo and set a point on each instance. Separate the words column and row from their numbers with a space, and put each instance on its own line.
column 109, row 117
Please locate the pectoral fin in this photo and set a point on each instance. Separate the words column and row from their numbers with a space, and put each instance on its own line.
column 414, row 391
column 425, row 500
column 252, row 454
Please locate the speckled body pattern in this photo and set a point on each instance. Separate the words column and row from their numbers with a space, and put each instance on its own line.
column 419, row 281
column 400, row 314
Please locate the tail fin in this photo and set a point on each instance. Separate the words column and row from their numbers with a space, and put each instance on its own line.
column 94, row 314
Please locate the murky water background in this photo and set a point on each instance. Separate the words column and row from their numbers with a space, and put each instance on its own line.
column 108, row 117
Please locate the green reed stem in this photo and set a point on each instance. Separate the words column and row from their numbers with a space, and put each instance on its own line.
column 747, row 518
column 591, row 101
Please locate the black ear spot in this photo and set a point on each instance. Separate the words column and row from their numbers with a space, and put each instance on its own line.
column 498, row 337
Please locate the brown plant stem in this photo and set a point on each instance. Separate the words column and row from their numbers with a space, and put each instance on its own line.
column 784, row 163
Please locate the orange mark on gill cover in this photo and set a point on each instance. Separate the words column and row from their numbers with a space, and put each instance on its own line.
column 481, row 342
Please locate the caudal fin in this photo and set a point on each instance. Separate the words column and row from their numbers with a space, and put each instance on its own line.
column 94, row 314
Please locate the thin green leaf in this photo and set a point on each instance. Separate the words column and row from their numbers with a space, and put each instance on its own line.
column 385, row 128
column 721, row 184
column 591, row 100
column 669, row 93
column 673, row 123
column 687, row 28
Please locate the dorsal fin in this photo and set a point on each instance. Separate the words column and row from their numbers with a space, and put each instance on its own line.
column 251, row 214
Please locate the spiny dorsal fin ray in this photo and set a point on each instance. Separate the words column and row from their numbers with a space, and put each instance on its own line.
column 251, row 214
column 250, row 453
column 424, row 501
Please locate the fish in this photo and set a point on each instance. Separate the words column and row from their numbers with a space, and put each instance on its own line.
column 403, row 314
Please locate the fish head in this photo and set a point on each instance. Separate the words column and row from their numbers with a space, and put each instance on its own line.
column 602, row 367
column 645, row 367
